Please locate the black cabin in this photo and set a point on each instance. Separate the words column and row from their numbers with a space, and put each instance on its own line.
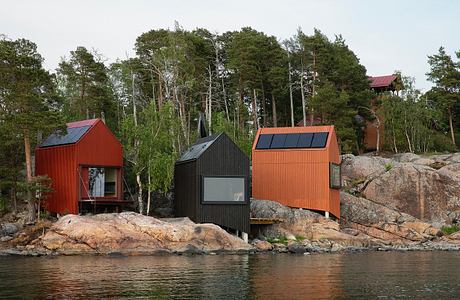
column 211, row 183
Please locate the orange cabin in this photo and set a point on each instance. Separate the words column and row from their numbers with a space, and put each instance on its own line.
column 85, row 166
column 298, row 167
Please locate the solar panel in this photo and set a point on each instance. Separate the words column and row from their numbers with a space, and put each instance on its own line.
column 264, row 141
column 291, row 140
column 305, row 140
column 278, row 141
column 319, row 140
column 72, row 136
column 200, row 146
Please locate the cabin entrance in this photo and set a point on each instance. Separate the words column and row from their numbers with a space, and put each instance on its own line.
column 100, row 189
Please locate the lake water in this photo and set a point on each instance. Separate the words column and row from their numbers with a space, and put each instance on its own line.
column 371, row 275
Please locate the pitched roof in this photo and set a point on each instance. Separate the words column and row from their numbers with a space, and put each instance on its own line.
column 75, row 131
column 382, row 81
column 200, row 146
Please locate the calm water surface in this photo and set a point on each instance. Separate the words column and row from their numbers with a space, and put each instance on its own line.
column 373, row 275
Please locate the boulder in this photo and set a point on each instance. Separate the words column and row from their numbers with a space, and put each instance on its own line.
column 383, row 223
column 405, row 157
column 355, row 168
column 262, row 245
column 306, row 224
column 418, row 190
column 132, row 233
column 8, row 229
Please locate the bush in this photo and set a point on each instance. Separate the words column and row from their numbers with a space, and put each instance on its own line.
column 442, row 142
column 388, row 166
column 449, row 229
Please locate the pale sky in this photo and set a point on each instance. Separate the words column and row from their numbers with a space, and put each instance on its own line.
column 386, row 35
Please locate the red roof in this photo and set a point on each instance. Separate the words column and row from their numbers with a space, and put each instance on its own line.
column 382, row 81
column 82, row 123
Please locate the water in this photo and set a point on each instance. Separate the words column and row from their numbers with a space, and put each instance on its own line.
column 373, row 275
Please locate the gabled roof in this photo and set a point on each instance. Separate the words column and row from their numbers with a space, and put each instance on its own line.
column 200, row 146
column 75, row 131
column 382, row 81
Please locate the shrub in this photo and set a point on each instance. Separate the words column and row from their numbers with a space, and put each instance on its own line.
column 388, row 166
column 449, row 229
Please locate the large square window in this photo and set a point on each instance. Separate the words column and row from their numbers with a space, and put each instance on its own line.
column 224, row 189
column 102, row 182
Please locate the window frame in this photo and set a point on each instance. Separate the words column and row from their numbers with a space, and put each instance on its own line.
column 331, row 164
column 245, row 192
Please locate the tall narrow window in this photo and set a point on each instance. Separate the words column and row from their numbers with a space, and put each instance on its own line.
column 335, row 179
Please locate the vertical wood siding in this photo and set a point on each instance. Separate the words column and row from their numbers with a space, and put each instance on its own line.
column 296, row 177
column 222, row 158
column 59, row 164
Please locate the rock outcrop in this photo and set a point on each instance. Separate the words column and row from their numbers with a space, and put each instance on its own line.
column 383, row 223
column 132, row 233
column 427, row 188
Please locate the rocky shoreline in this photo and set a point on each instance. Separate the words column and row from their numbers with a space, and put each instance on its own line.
column 399, row 203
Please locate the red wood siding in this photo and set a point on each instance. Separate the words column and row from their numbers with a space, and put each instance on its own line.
column 58, row 163
column 98, row 147
column 296, row 177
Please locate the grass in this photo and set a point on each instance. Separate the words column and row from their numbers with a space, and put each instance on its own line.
column 284, row 240
column 449, row 229
column 388, row 166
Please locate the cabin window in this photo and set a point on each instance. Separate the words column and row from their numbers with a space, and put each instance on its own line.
column 102, row 182
column 335, row 178
column 224, row 189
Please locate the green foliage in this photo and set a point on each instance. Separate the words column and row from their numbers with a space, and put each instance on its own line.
column 388, row 166
column 449, row 229
column 84, row 83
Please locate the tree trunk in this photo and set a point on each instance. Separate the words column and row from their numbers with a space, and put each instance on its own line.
column 451, row 126
column 302, row 92
column 225, row 99
column 149, row 190
column 290, row 89
column 254, row 106
column 30, row 200
column 209, row 116
column 313, row 89
column 275, row 118
column 139, row 195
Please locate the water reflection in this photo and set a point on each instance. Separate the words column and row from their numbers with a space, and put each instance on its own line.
column 297, row 276
column 420, row 275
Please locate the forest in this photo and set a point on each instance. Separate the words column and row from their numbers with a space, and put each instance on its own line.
column 240, row 80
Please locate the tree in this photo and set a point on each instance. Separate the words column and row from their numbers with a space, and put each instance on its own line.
column 28, row 101
column 445, row 74
column 85, row 85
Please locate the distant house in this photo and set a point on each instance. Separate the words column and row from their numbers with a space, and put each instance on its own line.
column 211, row 184
column 298, row 167
column 85, row 165
column 380, row 84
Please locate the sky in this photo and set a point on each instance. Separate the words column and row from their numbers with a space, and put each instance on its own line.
column 385, row 35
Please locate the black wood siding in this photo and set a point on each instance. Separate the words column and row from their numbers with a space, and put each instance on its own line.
column 186, row 191
column 222, row 158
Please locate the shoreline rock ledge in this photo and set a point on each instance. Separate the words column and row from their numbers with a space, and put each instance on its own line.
column 130, row 233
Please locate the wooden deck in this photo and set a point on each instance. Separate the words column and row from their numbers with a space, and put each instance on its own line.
column 266, row 221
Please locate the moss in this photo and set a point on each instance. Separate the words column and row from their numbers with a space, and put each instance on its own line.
column 449, row 229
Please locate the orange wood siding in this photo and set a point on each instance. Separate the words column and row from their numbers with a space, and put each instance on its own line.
column 59, row 164
column 296, row 177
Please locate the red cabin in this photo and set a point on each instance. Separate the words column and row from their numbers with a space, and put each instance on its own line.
column 85, row 166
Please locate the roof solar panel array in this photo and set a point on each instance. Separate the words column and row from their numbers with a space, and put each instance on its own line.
column 292, row 140
column 72, row 136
